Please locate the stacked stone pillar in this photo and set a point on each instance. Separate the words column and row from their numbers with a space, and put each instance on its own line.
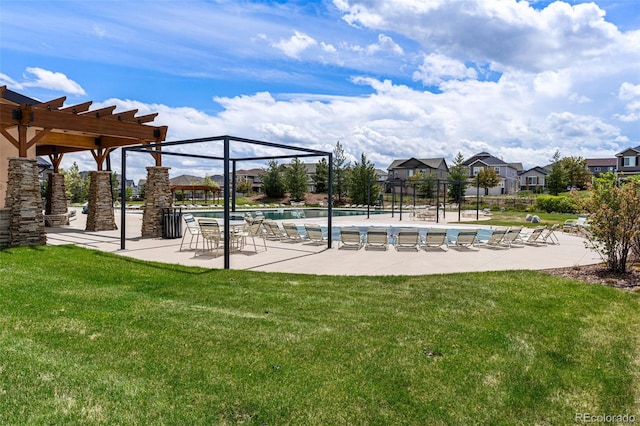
column 157, row 196
column 26, row 222
column 56, row 195
column 100, row 215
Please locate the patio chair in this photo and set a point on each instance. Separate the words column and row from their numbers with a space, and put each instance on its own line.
column 513, row 238
column 192, row 228
column 315, row 234
column 350, row 237
column 292, row 233
column 407, row 239
column 211, row 235
column 496, row 238
column 253, row 230
column 436, row 237
column 570, row 226
column 535, row 238
column 549, row 236
column 376, row 238
column 466, row 238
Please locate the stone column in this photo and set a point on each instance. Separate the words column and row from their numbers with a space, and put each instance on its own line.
column 56, row 195
column 26, row 224
column 100, row 215
column 157, row 192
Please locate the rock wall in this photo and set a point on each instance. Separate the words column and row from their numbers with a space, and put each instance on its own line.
column 56, row 195
column 157, row 196
column 100, row 216
column 26, row 224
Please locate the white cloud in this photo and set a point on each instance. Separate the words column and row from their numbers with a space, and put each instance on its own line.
column 552, row 84
column 296, row 44
column 437, row 68
column 629, row 91
column 51, row 80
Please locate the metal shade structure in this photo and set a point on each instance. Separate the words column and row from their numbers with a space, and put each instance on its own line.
column 160, row 149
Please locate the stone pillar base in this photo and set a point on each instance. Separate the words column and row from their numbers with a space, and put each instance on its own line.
column 157, row 196
column 56, row 195
column 100, row 215
column 26, row 224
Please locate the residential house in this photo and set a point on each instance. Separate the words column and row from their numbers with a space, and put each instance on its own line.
column 597, row 166
column 628, row 161
column 253, row 176
column 534, row 179
column 402, row 170
column 508, row 173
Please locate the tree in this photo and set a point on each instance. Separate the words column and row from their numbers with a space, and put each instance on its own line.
column 576, row 172
column 340, row 172
column 487, row 178
column 244, row 186
column 424, row 184
column 296, row 181
column 556, row 181
column 76, row 186
column 614, row 216
column 361, row 177
column 459, row 173
column 207, row 181
column 321, row 177
column 273, row 181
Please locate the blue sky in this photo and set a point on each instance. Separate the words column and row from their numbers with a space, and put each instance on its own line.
column 390, row 79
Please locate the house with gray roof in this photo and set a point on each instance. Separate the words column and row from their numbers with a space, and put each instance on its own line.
column 628, row 161
column 400, row 171
column 508, row 173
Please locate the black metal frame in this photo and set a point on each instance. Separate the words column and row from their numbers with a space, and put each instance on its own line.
column 156, row 149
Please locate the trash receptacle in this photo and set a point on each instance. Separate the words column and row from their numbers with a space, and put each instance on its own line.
column 171, row 222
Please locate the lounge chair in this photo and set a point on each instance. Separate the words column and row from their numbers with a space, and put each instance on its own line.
column 315, row 234
column 211, row 235
column 292, row 233
column 549, row 236
column 376, row 238
column 570, row 226
column 436, row 237
column 192, row 228
column 535, row 238
column 408, row 238
column 513, row 238
column 496, row 238
column 350, row 237
column 273, row 230
column 466, row 238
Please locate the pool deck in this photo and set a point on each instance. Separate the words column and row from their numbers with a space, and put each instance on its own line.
column 305, row 258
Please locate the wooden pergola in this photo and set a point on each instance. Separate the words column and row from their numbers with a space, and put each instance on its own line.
column 214, row 189
column 60, row 130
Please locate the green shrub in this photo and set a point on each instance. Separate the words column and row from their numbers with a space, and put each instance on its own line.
column 558, row 204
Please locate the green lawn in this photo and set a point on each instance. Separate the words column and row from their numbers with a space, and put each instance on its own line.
column 88, row 338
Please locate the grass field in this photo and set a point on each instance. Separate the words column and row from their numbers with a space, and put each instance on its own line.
column 93, row 338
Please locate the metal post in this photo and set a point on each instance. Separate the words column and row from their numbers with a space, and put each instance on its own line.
column 438, row 202
column 123, row 176
column 233, row 187
column 226, row 232
column 393, row 198
column 368, row 193
column 330, row 203
column 478, row 196
column 401, row 191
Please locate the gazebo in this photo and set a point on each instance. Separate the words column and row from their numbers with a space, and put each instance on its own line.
column 30, row 128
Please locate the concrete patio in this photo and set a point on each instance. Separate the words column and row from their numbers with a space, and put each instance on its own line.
column 305, row 258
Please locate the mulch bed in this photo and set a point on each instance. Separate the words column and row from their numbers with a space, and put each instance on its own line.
column 598, row 274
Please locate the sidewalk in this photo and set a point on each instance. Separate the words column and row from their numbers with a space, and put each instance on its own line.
column 306, row 258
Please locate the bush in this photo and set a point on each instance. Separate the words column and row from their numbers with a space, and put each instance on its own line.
column 557, row 204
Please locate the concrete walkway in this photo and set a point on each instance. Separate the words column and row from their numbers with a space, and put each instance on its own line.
column 305, row 258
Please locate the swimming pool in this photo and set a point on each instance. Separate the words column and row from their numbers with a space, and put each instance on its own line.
column 288, row 214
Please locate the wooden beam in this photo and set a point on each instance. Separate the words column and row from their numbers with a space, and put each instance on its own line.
column 146, row 118
column 3, row 90
column 100, row 112
column 77, row 109
column 124, row 116
column 56, row 159
column 53, row 104
column 85, row 123
column 34, row 140
column 10, row 137
column 100, row 155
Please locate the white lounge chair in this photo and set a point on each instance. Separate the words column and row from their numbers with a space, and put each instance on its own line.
column 407, row 238
column 496, row 238
column 535, row 238
column 376, row 238
column 315, row 234
column 291, row 230
column 549, row 236
column 350, row 237
column 512, row 238
column 466, row 238
column 436, row 237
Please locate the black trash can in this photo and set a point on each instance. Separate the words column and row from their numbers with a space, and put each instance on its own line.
column 171, row 222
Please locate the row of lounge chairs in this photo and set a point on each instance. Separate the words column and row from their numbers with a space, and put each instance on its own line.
column 410, row 238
